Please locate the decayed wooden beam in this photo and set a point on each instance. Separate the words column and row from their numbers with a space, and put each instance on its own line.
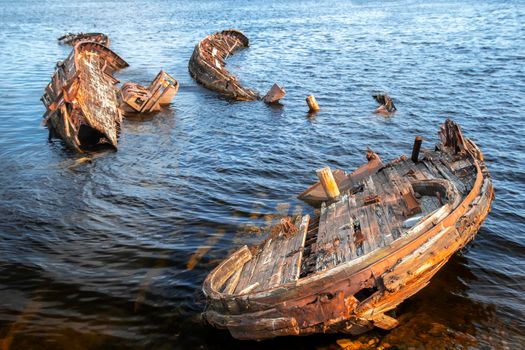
column 313, row 106
column 328, row 182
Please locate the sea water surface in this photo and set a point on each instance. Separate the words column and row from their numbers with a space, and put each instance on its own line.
column 109, row 250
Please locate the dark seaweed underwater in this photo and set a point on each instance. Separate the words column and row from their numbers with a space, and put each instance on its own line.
column 109, row 250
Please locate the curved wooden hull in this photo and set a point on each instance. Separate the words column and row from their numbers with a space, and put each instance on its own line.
column 353, row 297
column 207, row 64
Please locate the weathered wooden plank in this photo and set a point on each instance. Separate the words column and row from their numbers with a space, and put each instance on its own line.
column 262, row 264
column 371, row 231
column 282, row 247
column 232, row 282
column 325, row 236
column 399, row 185
column 272, row 257
column 447, row 174
column 385, row 230
column 460, row 164
column 294, row 257
column 246, row 274
column 339, row 246
column 425, row 171
column 384, row 322
column 358, row 238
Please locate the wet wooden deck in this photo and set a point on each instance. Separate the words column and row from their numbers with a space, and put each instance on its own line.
column 354, row 226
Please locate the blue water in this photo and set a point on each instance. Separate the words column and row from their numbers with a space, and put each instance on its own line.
column 109, row 250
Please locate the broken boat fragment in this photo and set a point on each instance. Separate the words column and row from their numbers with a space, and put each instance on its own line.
column 139, row 99
column 386, row 104
column 275, row 93
column 208, row 67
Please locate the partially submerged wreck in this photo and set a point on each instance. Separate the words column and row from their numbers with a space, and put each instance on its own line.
column 82, row 99
column 139, row 99
column 386, row 104
column 207, row 66
column 372, row 246
column 72, row 39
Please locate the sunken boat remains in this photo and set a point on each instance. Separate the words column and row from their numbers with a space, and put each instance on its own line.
column 82, row 100
column 84, row 106
column 375, row 242
column 139, row 99
column 207, row 66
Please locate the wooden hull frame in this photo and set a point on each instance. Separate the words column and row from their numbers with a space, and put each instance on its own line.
column 209, row 70
column 326, row 302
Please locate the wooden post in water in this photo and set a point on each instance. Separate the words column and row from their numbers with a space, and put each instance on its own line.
column 312, row 103
column 327, row 180
column 416, row 148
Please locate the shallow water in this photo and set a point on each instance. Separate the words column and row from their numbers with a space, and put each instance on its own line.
column 109, row 250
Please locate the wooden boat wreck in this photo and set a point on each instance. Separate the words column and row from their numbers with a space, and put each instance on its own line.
column 139, row 99
column 73, row 39
column 366, row 252
column 207, row 66
column 82, row 99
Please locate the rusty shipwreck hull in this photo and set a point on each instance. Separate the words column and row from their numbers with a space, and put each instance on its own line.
column 207, row 64
column 347, row 291
column 82, row 100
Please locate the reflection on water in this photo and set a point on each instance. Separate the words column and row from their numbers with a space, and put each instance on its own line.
column 110, row 249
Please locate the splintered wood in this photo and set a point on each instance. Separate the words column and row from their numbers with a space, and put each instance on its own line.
column 278, row 262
